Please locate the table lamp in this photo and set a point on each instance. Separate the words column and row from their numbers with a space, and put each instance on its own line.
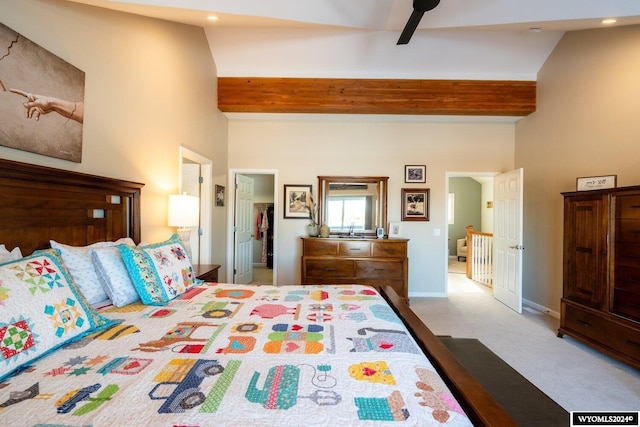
column 184, row 213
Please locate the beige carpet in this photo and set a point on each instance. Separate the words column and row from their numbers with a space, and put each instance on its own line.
column 262, row 276
column 575, row 376
column 458, row 267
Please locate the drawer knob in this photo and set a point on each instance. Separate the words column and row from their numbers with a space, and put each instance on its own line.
column 583, row 323
column 329, row 269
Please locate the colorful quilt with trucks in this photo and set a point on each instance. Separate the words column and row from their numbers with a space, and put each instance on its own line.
column 239, row 355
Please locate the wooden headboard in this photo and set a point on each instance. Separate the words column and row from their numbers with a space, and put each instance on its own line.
column 38, row 204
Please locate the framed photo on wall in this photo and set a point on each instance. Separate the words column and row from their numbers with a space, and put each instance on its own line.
column 415, row 173
column 296, row 199
column 219, row 195
column 415, row 204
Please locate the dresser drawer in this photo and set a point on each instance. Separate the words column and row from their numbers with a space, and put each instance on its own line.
column 374, row 262
column 628, row 230
column 627, row 278
column 628, row 254
column 350, row 248
column 330, row 268
column 586, row 323
column 319, row 247
column 626, row 341
column 605, row 331
column 627, row 303
column 382, row 249
column 380, row 269
column 628, row 207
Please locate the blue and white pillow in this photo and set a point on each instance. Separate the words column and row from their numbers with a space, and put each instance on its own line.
column 113, row 276
column 78, row 261
column 41, row 309
column 159, row 272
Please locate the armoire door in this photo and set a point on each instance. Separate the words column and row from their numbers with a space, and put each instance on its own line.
column 585, row 249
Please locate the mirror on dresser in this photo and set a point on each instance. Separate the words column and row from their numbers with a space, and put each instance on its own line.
column 352, row 205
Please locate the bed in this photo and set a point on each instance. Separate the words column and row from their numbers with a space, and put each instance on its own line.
column 193, row 353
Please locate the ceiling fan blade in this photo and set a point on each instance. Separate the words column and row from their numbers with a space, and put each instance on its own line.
column 419, row 8
column 411, row 26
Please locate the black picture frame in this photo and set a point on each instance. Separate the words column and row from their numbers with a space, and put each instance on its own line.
column 415, row 174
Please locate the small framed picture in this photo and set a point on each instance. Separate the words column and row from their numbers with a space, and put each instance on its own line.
column 394, row 230
column 595, row 182
column 415, row 204
column 415, row 173
column 296, row 199
column 219, row 195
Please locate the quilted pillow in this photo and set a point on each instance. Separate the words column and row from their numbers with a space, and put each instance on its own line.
column 78, row 261
column 114, row 276
column 42, row 310
column 160, row 272
column 6, row 256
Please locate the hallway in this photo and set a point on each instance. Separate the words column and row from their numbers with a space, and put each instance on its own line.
column 262, row 275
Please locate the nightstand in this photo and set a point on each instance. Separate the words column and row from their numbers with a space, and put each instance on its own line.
column 207, row 272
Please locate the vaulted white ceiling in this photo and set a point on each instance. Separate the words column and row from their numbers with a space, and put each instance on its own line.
column 459, row 39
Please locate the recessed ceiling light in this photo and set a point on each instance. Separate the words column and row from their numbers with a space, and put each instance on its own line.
column 609, row 21
column 212, row 18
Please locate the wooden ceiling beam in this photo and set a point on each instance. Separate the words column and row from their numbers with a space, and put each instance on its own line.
column 376, row 96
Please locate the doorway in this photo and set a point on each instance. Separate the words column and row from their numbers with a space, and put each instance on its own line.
column 505, row 191
column 196, row 180
column 252, row 243
column 469, row 202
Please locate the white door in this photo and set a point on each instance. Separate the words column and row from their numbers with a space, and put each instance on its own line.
column 507, row 239
column 190, row 185
column 244, row 230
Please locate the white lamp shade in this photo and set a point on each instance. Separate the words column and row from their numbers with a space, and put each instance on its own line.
column 184, row 211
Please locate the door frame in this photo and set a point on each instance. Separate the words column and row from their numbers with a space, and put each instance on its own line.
column 231, row 198
column 206, row 201
column 446, row 215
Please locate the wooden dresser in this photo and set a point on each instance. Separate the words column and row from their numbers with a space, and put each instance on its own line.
column 355, row 260
column 601, row 274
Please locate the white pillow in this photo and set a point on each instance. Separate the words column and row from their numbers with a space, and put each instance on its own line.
column 114, row 276
column 7, row 256
column 78, row 261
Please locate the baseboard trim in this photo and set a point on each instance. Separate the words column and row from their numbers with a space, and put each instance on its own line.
column 428, row 294
column 541, row 308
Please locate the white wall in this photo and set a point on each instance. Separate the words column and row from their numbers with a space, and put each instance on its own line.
column 305, row 148
column 150, row 87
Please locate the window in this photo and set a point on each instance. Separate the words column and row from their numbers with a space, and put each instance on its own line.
column 347, row 212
